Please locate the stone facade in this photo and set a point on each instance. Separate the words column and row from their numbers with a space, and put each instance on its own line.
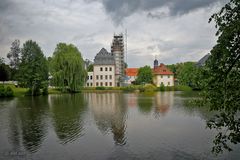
column 103, row 70
column 104, row 75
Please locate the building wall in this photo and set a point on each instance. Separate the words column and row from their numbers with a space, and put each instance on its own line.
column 89, row 82
column 104, row 75
column 130, row 79
column 167, row 80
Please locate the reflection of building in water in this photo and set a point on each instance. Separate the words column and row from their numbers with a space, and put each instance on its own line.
column 67, row 118
column 163, row 102
column 109, row 113
column 131, row 99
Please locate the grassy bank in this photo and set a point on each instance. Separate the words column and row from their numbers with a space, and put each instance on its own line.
column 140, row 88
column 18, row 91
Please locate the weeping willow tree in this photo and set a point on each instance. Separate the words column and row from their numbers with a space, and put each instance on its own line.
column 67, row 68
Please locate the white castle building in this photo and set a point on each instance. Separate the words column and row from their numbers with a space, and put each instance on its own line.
column 108, row 68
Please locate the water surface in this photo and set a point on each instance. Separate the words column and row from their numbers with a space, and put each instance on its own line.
column 106, row 126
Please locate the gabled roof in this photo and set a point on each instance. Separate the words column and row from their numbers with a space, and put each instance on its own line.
column 162, row 70
column 104, row 58
column 131, row 71
column 203, row 60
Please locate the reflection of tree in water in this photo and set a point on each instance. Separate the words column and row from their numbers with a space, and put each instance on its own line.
column 145, row 103
column 27, row 122
column 66, row 113
column 163, row 101
column 109, row 112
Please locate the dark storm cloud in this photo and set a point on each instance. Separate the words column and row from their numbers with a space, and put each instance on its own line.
column 120, row 9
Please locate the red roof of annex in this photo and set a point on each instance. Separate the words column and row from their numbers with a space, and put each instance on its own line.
column 160, row 70
column 131, row 71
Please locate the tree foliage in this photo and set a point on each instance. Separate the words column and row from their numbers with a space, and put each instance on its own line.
column 4, row 71
column 222, row 85
column 90, row 68
column 187, row 73
column 33, row 69
column 145, row 75
column 14, row 54
column 67, row 68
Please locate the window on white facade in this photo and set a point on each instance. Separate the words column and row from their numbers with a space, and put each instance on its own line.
column 90, row 77
column 101, row 76
column 87, row 84
column 91, row 84
column 106, row 84
column 110, row 69
column 97, row 84
column 96, row 76
column 106, row 77
column 106, row 68
column 110, row 76
column 87, row 77
column 101, row 69
column 101, row 84
column 110, row 83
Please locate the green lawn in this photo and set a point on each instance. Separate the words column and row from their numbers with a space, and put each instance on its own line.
column 18, row 91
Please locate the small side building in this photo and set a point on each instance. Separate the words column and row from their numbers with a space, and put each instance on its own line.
column 162, row 75
column 130, row 75
column 104, row 69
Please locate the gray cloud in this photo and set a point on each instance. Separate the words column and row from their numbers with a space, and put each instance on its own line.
column 174, row 30
column 120, row 9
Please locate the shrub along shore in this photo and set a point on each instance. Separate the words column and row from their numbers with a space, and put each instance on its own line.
column 10, row 90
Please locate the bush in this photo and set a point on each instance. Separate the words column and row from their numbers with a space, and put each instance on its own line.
column 36, row 92
column 182, row 88
column 6, row 92
column 162, row 87
column 169, row 88
column 141, row 88
column 149, row 88
column 100, row 88
column 45, row 91
column 130, row 88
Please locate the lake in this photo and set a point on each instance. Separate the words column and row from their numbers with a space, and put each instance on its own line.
column 106, row 126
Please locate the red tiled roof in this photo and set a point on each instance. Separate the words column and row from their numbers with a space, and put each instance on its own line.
column 162, row 70
column 131, row 71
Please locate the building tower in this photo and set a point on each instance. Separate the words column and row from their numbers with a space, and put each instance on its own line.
column 155, row 63
column 117, row 48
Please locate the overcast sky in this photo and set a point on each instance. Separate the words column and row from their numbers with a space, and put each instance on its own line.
column 172, row 30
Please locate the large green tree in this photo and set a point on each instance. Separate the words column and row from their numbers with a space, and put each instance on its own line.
column 222, row 85
column 187, row 73
column 14, row 58
column 14, row 54
column 67, row 68
column 33, row 69
column 4, row 71
column 145, row 75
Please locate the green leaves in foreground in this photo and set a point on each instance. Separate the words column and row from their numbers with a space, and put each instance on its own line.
column 222, row 84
